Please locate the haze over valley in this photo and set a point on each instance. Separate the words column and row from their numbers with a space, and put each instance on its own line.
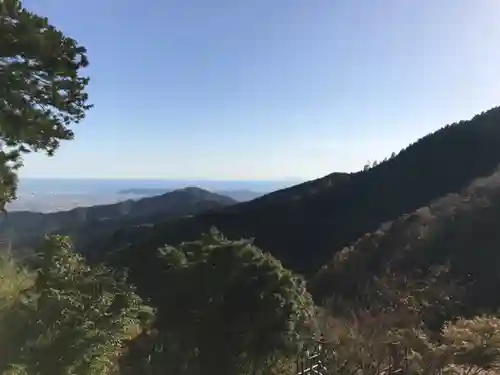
column 50, row 195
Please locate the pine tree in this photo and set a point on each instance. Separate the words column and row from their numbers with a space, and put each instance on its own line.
column 41, row 91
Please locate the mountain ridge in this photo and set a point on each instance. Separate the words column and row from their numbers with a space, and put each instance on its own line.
column 240, row 195
column 458, row 231
column 26, row 228
column 302, row 225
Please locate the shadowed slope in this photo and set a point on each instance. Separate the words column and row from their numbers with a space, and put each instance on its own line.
column 304, row 224
column 460, row 230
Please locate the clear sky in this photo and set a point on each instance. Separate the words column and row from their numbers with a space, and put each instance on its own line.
column 269, row 89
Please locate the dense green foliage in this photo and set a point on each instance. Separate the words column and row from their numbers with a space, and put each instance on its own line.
column 303, row 225
column 41, row 92
column 223, row 306
column 66, row 317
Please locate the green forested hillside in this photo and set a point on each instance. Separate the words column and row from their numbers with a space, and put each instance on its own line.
column 303, row 225
column 459, row 231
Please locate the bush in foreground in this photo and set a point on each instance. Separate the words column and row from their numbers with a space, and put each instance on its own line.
column 224, row 307
column 66, row 317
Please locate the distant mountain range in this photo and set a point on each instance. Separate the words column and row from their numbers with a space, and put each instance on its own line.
column 24, row 229
column 59, row 197
column 241, row 195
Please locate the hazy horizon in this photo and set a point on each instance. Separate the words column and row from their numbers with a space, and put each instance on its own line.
column 121, row 183
column 259, row 90
column 57, row 194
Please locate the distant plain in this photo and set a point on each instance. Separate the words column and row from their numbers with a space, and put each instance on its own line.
column 50, row 195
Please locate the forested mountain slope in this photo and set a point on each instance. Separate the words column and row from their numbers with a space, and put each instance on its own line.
column 24, row 229
column 459, row 231
column 304, row 224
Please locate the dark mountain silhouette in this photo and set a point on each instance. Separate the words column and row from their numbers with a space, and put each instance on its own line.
column 241, row 195
column 303, row 225
column 24, row 229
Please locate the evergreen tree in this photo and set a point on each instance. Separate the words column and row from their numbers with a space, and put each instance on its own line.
column 225, row 307
column 41, row 91
column 72, row 319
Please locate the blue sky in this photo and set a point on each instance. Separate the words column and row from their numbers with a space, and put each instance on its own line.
column 268, row 89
